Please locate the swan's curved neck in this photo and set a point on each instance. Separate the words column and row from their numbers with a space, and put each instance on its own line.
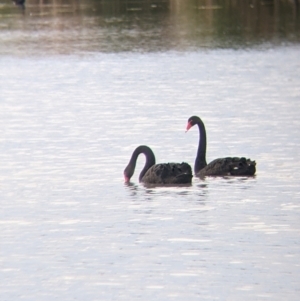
column 200, row 161
column 150, row 159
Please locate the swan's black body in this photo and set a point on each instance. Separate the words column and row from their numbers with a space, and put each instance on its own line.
column 20, row 3
column 232, row 166
column 164, row 173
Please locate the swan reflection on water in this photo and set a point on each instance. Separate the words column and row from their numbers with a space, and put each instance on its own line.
column 201, row 187
column 147, row 190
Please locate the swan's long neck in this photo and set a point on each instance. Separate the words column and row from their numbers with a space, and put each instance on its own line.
column 200, row 161
column 150, row 159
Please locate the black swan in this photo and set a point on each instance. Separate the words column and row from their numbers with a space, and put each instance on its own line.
column 232, row 166
column 165, row 173
column 20, row 3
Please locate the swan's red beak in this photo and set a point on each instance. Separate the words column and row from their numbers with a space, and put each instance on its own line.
column 188, row 126
column 126, row 179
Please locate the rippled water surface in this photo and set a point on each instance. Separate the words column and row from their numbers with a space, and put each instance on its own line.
column 70, row 229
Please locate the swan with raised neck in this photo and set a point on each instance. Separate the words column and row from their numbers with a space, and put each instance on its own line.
column 234, row 166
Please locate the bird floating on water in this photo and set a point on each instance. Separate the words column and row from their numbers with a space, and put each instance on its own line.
column 232, row 166
column 20, row 3
column 163, row 173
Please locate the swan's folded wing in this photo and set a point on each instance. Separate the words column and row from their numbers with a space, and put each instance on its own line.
column 230, row 166
column 169, row 173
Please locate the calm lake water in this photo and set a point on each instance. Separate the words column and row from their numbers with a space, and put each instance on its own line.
column 83, row 84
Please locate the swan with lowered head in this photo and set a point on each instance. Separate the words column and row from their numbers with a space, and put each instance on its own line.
column 164, row 173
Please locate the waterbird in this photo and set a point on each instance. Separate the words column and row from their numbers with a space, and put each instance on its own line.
column 20, row 3
column 163, row 173
column 232, row 166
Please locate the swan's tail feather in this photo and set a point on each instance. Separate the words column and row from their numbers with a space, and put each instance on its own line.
column 181, row 173
column 243, row 167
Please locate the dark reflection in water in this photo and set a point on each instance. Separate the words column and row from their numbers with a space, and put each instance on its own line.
column 203, row 188
column 149, row 188
column 132, row 188
column 65, row 27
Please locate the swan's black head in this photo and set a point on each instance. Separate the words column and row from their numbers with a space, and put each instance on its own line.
column 192, row 121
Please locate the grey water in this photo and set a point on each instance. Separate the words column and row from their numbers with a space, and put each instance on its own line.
column 84, row 83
